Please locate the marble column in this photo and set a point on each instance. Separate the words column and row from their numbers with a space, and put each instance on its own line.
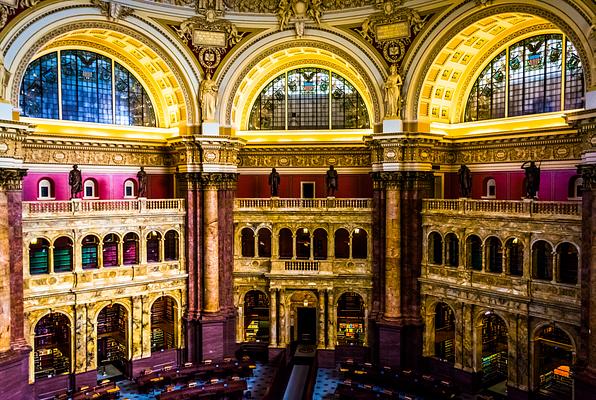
column 321, row 333
column 468, row 331
column 429, row 334
column 284, row 319
column 332, row 318
column 392, row 251
column 211, row 248
column 14, row 350
column 137, row 328
column 272, row 317
column 585, row 385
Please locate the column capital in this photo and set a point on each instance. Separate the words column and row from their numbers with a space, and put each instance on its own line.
column 402, row 180
column 219, row 180
column 12, row 178
column 588, row 174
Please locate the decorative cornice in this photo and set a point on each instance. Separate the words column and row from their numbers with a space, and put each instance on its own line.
column 12, row 179
column 301, row 157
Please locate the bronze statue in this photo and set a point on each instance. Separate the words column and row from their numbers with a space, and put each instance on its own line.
column 274, row 180
column 75, row 180
column 532, row 179
column 142, row 181
column 465, row 180
column 331, row 180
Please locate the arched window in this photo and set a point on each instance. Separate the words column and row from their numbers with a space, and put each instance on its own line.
column 130, row 249
column 91, row 85
column 303, row 243
column 129, row 188
column 90, row 189
column 320, row 244
column 110, row 250
column 490, row 188
column 568, row 263
column 39, row 256
column 264, row 238
column 286, row 240
column 542, row 260
column 575, row 190
column 153, row 243
column 315, row 98
column 52, row 346
column 45, row 189
column 342, row 243
column 555, row 356
column 474, row 250
column 435, row 248
column 89, row 249
column 515, row 256
column 63, row 254
column 170, row 246
column 248, row 242
column 451, row 250
column 359, row 243
column 494, row 254
column 534, row 78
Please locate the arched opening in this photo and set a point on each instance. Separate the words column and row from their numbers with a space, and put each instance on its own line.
column 52, row 347
column 171, row 246
column 320, row 244
column 494, row 348
column 474, row 250
column 302, row 244
column 568, row 263
column 264, row 245
column 359, row 243
column 435, row 248
column 542, row 260
column 304, row 317
column 342, row 243
column 444, row 332
column 554, row 354
column 163, row 317
column 89, row 252
column 350, row 319
column 90, row 189
column 575, row 188
column 494, row 255
column 286, row 243
column 153, row 246
column 63, row 254
column 129, row 189
column 45, row 189
column 490, row 188
column 256, row 317
column 111, row 243
column 130, row 249
column 112, row 340
column 247, row 240
column 39, row 256
column 515, row 256
column 452, row 250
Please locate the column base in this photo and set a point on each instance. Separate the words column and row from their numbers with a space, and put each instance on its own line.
column 585, row 383
column 212, row 337
column 326, row 358
column 514, row 393
column 389, row 343
column 14, row 369
column 88, row 378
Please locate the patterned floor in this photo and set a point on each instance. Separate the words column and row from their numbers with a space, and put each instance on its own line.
column 257, row 385
column 327, row 381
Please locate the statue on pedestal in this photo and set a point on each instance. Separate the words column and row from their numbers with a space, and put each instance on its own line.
column 274, row 180
column 142, row 181
column 532, row 179
column 4, row 77
column 331, row 180
column 465, row 180
column 75, row 180
column 393, row 93
column 208, row 98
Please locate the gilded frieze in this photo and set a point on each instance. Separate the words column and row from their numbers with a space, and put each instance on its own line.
column 251, row 157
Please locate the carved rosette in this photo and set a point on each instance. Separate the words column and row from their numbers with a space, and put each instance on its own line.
column 12, row 178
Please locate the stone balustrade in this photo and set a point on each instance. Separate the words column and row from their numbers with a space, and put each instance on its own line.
column 522, row 208
column 34, row 209
column 299, row 204
column 291, row 267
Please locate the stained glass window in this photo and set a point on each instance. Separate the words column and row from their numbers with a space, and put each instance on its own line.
column 534, row 80
column 93, row 88
column 309, row 98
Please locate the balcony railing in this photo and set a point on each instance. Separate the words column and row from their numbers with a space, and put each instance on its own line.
column 77, row 207
column 523, row 208
column 326, row 203
column 301, row 265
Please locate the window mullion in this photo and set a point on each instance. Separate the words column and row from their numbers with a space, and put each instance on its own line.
column 59, row 64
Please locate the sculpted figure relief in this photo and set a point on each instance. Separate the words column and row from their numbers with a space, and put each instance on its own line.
column 393, row 92
column 75, row 180
column 465, row 180
column 331, row 180
column 532, row 179
column 4, row 77
column 274, row 180
column 142, row 180
column 208, row 98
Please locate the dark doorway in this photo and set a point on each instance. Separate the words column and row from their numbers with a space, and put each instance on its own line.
column 307, row 325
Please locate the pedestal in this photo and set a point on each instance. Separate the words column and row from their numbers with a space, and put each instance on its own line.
column 6, row 110
column 14, row 370
column 212, row 338
column 210, row 129
column 389, row 344
column 392, row 125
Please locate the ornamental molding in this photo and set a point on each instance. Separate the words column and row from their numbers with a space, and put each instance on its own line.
column 112, row 10
column 264, row 6
column 13, row 8
column 219, row 152
column 12, row 178
column 301, row 157
column 304, row 43
column 298, row 12
column 65, row 29
column 484, row 13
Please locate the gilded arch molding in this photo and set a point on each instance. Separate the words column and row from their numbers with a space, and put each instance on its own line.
column 471, row 16
column 184, row 103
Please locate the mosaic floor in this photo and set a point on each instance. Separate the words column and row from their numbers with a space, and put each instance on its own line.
column 257, row 385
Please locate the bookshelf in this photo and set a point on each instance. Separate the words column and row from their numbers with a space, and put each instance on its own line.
column 110, row 254
column 62, row 259
column 51, row 354
column 256, row 317
column 350, row 319
column 111, row 332
column 89, row 256
column 38, row 261
column 162, row 324
column 494, row 366
column 350, row 332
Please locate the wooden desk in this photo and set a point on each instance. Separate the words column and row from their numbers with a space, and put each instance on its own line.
column 229, row 388
column 107, row 391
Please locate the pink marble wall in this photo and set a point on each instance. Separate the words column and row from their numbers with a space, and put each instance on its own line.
column 109, row 186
